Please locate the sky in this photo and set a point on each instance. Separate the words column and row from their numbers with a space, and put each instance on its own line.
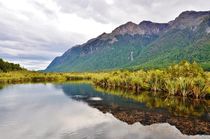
column 34, row 32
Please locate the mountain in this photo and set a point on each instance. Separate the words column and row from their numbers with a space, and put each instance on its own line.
column 143, row 45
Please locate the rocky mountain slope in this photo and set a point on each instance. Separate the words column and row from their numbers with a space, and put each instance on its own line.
column 143, row 45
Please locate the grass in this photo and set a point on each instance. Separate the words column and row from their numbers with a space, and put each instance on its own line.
column 29, row 76
column 184, row 79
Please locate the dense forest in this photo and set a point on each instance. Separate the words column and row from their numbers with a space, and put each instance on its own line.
column 6, row 66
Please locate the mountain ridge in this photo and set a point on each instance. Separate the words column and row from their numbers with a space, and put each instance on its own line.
column 140, row 44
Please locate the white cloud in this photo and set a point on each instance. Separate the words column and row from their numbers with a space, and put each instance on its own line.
column 39, row 30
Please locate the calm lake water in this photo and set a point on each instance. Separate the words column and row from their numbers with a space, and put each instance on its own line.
column 78, row 111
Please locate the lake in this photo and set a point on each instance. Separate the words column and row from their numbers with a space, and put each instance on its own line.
column 80, row 111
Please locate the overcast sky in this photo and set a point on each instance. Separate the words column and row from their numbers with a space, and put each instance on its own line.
column 33, row 32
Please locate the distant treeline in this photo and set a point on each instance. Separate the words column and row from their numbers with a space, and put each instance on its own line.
column 6, row 66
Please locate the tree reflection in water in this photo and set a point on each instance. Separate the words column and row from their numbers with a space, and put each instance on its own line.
column 191, row 117
column 178, row 106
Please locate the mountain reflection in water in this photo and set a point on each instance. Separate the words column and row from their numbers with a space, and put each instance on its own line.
column 191, row 117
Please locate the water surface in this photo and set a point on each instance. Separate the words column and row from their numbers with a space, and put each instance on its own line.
column 78, row 111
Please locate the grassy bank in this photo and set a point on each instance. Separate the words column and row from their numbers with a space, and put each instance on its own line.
column 184, row 79
column 29, row 76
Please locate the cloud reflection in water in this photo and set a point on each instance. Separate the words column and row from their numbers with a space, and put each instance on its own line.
column 41, row 111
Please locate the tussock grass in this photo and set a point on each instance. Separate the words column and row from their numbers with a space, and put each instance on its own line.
column 184, row 79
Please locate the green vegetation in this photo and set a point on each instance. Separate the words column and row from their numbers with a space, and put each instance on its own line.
column 184, row 79
column 149, row 51
column 13, row 73
column 6, row 66
column 29, row 76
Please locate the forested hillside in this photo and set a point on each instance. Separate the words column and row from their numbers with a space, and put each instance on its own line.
column 144, row 45
column 6, row 66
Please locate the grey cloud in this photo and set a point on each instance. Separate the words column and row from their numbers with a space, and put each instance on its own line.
column 133, row 10
column 48, row 12
column 99, row 10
